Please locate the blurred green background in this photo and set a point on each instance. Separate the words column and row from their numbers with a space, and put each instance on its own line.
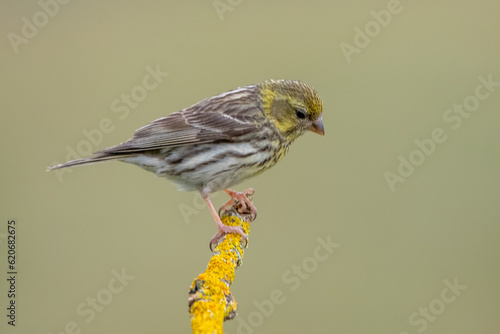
column 388, row 73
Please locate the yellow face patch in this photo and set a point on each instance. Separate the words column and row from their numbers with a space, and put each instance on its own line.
column 282, row 99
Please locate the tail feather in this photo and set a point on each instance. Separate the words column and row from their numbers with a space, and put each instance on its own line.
column 88, row 161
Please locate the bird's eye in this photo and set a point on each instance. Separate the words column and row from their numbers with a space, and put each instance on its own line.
column 300, row 113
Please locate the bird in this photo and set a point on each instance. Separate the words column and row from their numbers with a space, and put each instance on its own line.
column 221, row 141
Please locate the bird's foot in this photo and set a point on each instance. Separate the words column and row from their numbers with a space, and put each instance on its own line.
column 244, row 198
column 223, row 229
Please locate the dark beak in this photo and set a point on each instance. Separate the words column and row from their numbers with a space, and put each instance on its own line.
column 317, row 126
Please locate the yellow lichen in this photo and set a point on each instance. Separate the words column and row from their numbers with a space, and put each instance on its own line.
column 210, row 299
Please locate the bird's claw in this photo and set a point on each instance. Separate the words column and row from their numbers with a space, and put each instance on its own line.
column 228, row 229
column 244, row 200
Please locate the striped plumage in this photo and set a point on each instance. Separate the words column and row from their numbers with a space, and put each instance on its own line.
column 222, row 140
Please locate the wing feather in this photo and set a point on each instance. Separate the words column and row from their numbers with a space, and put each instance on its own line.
column 214, row 119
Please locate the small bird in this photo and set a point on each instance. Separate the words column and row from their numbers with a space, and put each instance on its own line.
column 221, row 141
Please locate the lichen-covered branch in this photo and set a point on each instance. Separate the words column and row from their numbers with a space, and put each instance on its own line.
column 210, row 300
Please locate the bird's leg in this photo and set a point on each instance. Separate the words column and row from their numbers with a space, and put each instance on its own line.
column 221, row 226
column 242, row 197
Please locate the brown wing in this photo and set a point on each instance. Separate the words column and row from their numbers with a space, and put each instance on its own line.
column 223, row 117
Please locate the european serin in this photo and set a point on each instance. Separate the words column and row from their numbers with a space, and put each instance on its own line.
column 223, row 140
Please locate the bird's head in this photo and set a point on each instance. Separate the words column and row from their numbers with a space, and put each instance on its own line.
column 292, row 107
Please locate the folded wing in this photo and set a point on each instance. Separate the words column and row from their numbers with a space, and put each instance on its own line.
column 192, row 126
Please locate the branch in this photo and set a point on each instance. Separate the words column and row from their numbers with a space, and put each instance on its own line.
column 210, row 300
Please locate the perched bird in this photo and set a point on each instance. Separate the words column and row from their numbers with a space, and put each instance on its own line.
column 221, row 141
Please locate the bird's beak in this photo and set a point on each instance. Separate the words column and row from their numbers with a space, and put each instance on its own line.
column 317, row 126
